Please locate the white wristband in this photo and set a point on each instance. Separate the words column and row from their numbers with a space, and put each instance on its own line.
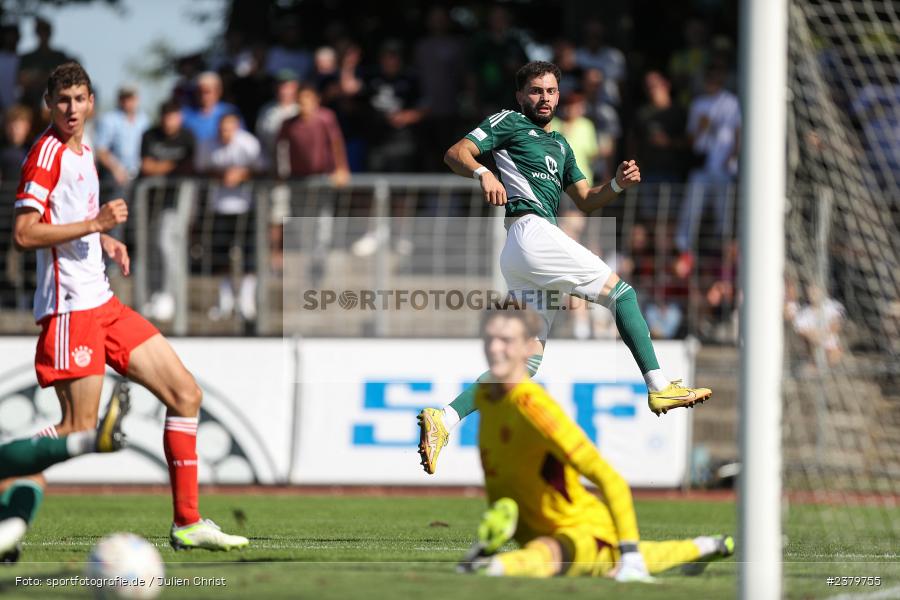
column 615, row 186
column 477, row 173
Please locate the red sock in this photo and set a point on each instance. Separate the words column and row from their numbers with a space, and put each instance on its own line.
column 180, row 445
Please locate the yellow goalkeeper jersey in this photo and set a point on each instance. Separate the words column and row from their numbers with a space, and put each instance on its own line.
column 532, row 452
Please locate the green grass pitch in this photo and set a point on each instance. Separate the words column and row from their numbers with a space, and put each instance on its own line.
column 401, row 547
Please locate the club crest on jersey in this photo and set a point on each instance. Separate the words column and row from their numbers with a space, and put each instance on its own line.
column 533, row 133
column 82, row 356
column 562, row 148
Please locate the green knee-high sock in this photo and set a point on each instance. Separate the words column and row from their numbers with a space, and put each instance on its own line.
column 24, row 457
column 622, row 301
column 21, row 499
column 464, row 404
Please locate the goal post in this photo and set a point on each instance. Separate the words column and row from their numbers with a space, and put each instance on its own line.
column 762, row 188
column 820, row 279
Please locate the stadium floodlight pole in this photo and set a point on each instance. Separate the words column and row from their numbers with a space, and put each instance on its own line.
column 763, row 82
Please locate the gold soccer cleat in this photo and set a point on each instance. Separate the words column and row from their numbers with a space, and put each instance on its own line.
column 109, row 431
column 676, row 395
column 433, row 437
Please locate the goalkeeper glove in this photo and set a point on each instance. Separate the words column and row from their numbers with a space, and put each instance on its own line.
column 631, row 564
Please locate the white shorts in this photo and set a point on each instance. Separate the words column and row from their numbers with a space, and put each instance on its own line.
column 538, row 257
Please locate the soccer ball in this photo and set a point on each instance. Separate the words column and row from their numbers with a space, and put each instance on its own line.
column 125, row 565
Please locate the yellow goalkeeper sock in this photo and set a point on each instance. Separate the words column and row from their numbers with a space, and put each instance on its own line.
column 662, row 556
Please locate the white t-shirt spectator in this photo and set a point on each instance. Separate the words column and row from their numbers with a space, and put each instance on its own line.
column 820, row 320
column 242, row 151
column 268, row 125
column 718, row 140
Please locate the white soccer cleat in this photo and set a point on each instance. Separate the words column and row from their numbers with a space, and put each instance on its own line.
column 206, row 535
column 12, row 531
column 724, row 548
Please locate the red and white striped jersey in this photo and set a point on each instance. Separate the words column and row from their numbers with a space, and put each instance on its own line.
column 63, row 186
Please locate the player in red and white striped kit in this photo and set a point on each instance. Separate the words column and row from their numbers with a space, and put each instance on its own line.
column 84, row 327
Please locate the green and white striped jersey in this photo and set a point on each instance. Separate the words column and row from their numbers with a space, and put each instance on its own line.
column 535, row 166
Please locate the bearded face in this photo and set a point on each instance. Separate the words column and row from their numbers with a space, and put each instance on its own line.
column 539, row 98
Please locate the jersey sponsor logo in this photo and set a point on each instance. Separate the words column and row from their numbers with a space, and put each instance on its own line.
column 82, row 356
column 546, row 177
column 553, row 167
column 82, row 249
column 33, row 188
column 478, row 133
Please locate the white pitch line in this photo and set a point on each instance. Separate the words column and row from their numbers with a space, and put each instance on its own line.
column 885, row 594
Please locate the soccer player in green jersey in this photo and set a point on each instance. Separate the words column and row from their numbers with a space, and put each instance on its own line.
column 535, row 166
column 21, row 497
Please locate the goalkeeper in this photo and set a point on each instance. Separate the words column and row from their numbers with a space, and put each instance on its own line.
column 533, row 455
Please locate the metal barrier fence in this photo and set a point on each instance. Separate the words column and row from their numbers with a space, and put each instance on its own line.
column 210, row 260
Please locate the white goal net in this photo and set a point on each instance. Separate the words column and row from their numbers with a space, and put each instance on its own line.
column 841, row 436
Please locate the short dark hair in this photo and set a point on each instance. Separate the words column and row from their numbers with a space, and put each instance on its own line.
column 170, row 106
column 67, row 75
column 536, row 68
column 230, row 115
column 43, row 25
column 308, row 87
column 18, row 112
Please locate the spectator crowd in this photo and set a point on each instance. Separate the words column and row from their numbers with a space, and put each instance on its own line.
column 398, row 104
column 286, row 108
